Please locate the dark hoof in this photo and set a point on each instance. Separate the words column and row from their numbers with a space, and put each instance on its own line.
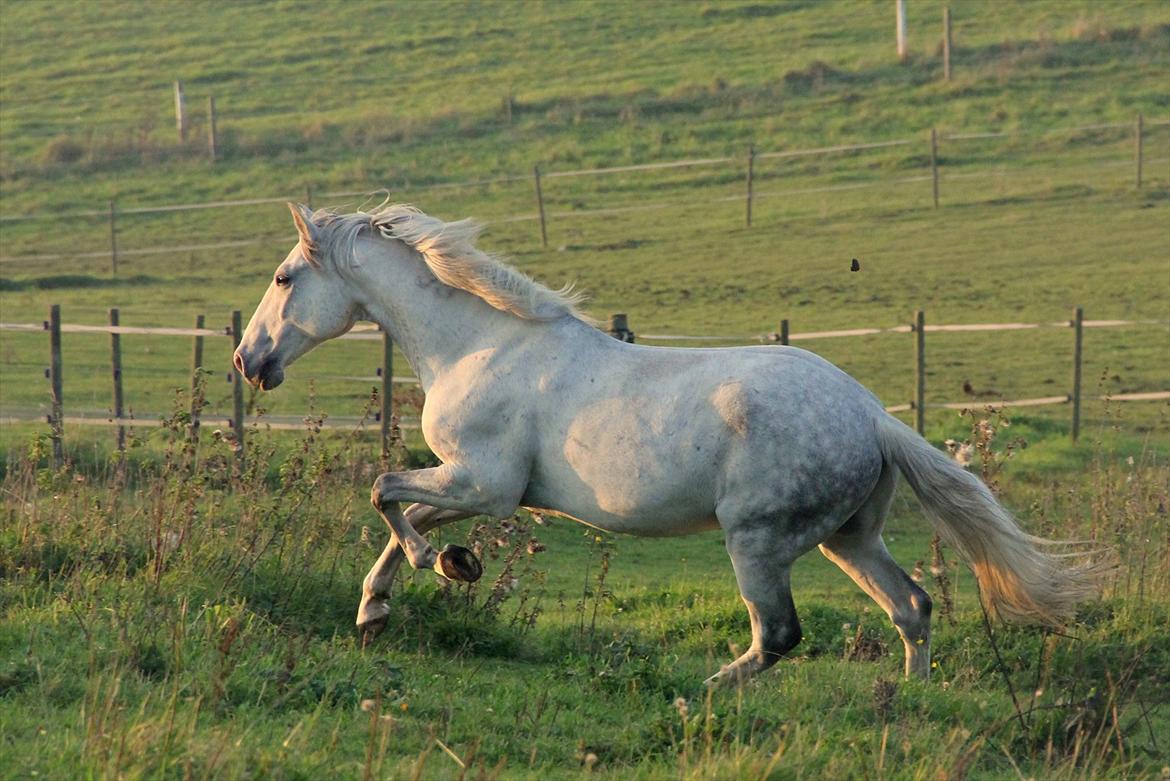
column 458, row 563
column 370, row 630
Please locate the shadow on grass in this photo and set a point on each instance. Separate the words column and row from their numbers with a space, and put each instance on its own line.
column 74, row 281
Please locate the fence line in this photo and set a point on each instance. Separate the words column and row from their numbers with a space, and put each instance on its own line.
column 639, row 167
column 658, row 206
column 619, row 327
column 779, row 154
column 275, row 422
column 295, row 423
column 899, row 329
column 373, row 333
column 143, row 251
column 833, row 149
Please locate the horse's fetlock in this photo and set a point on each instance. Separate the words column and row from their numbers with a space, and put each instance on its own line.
column 914, row 620
column 782, row 640
column 924, row 604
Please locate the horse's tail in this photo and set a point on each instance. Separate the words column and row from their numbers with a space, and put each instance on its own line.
column 1020, row 577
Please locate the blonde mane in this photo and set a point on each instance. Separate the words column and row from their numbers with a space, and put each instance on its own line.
column 449, row 251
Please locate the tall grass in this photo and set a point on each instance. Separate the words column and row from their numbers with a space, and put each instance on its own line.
column 183, row 613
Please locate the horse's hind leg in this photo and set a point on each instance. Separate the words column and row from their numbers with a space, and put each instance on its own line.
column 762, row 572
column 857, row 548
column 373, row 610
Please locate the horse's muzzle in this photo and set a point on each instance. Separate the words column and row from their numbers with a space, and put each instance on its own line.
column 266, row 376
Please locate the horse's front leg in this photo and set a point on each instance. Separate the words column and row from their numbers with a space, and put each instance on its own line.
column 449, row 487
column 373, row 610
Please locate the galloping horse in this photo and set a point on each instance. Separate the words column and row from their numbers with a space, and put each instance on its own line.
column 529, row 405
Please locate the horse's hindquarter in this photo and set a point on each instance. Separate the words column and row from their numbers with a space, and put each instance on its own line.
column 655, row 441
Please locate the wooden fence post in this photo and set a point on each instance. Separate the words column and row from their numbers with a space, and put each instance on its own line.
column 919, row 404
column 237, row 392
column 180, row 112
column 784, row 332
column 751, row 164
column 196, row 368
column 900, row 21
column 211, row 146
column 619, row 327
column 116, row 366
column 113, row 239
column 947, row 44
column 934, row 164
column 540, row 205
column 56, row 415
column 387, row 395
column 1138, row 139
column 309, row 197
column 1078, row 334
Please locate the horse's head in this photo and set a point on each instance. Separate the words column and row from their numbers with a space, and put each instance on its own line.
column 306, row 303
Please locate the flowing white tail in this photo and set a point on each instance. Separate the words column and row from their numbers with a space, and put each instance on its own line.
column 1020, row 579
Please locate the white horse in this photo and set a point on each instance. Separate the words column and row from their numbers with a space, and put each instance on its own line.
column 528, row 405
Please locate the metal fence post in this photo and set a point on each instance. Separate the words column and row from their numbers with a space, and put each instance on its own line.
column 919, row 404
column 784, row 331
column 116, row 367
column 1078, row 335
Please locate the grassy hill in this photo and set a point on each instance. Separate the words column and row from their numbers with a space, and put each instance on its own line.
column 407, row 100
column 227, row 653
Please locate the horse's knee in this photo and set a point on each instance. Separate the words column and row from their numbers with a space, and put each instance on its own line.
column 379, row 490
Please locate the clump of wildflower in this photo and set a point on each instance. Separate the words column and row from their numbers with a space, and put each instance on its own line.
column 962, row 452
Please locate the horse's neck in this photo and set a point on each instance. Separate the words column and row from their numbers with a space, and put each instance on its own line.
column 434, row 325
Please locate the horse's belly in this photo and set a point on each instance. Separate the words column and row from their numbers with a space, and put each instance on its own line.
column 616, row 514
column 621, row 469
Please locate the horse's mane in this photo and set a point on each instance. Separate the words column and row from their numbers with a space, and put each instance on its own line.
column 449, row 251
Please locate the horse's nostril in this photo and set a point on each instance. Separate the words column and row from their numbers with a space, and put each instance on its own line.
column 238, row 360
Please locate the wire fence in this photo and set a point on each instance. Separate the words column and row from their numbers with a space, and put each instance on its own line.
column 237, row 422
column 937, row 170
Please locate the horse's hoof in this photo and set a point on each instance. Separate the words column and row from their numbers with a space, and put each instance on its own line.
column 458, row 563
column 369, row 630
column 716, row 681
column 373, row 615
column 728, row 677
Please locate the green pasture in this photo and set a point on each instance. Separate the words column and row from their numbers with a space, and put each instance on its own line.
column 190, row 624
column 169, row 617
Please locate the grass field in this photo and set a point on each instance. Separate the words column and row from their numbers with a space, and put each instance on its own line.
column 169, row 618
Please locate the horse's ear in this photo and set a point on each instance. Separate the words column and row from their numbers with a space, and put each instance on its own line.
column 306, row 230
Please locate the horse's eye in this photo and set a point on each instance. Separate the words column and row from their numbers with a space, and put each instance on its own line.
column 282, row 280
